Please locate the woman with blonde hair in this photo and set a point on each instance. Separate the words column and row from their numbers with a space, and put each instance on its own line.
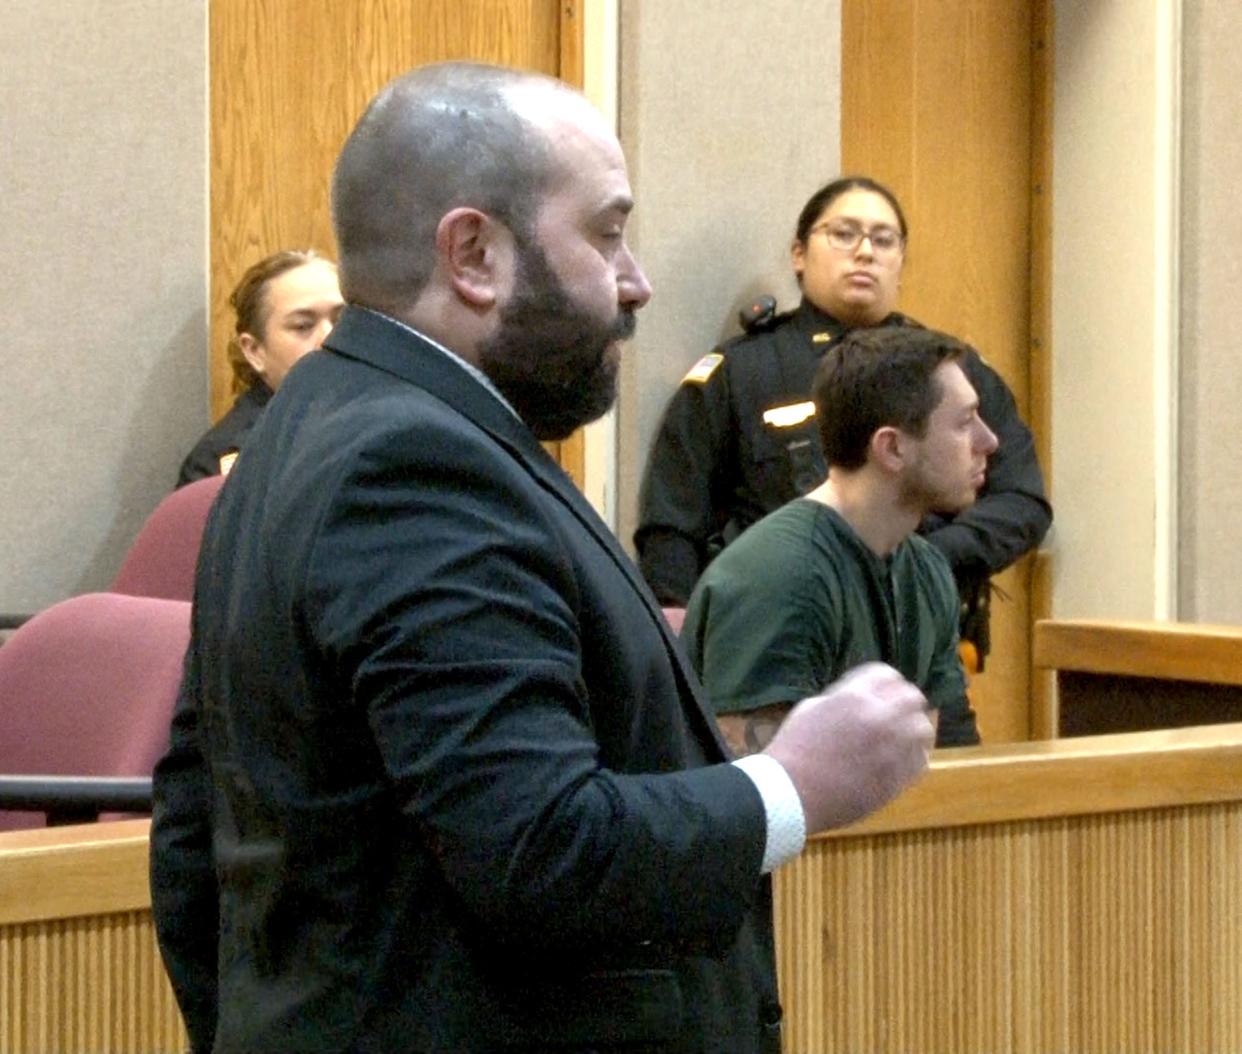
column 285, row 305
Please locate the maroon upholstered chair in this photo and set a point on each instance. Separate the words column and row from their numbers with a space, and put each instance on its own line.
column 161, row 561
column 87, row 688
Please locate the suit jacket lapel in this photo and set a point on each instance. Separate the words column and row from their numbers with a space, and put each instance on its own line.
column 378, row 341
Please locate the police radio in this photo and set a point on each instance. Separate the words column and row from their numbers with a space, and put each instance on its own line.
column 757, row 315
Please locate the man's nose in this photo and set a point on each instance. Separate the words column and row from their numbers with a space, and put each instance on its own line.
column 633, row 288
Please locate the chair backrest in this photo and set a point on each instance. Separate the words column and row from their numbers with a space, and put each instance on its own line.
column 87, row 688
column 161, row 561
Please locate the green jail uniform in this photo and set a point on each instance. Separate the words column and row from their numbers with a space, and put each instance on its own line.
column 799, row 599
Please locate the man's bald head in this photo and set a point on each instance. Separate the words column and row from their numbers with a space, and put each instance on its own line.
column 438, row 138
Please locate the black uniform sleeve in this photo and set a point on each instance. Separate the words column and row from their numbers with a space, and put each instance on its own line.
column 1012, row 514
column 683, row 503
column 199, row 463
column 957, row 726
column 184, row 894
column 224, row 437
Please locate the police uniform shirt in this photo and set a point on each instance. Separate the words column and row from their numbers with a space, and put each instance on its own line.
column 739, row 439
column 215, row 452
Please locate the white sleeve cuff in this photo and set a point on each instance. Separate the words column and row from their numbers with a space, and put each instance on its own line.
column 786, row 820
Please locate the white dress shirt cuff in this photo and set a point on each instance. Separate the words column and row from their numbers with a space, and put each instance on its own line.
column 786, row 820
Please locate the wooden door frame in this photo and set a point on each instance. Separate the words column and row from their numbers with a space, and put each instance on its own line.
column 913, row 71
column 568, row 25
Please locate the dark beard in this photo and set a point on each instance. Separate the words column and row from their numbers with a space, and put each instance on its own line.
column 549, row 357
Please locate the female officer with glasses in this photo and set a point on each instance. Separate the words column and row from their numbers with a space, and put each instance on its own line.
column 738, row 439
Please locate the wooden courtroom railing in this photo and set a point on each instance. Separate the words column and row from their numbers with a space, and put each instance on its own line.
column 1079, row 896
column 1076, row 896
column 1135, row 676
column 79, row 969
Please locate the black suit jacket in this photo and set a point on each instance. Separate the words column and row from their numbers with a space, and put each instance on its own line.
column 438, row 772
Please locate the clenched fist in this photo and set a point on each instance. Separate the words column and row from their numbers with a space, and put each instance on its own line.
column 856, row 746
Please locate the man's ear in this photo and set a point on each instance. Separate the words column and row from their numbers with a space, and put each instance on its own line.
column 474, row 250
column 888, row 448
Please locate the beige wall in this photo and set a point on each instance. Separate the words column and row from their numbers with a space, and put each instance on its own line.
column 730, row 118
column 103, row 367
column 1114, row 347
column 1210, row 579
column 730, row 115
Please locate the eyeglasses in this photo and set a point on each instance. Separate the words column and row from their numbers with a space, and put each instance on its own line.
column 846, row 237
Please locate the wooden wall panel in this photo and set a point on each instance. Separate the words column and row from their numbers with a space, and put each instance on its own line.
column 1079, row 895
column 287, row 83
column 1130, row 676
column 1076, row 895
column 79, row 966
column 937, row 102
column 1094, row 934
column 86, row 984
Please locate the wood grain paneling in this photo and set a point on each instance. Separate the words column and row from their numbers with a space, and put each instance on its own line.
column 1094, row 935
column 1071, row 777
column 1069, row 912
column 287, row 83
column 99, row 868
column 937, row 102
column 86, row 984
column 1182, row 651
column 79, row 966
column 1072, row 896
column 1131, row 676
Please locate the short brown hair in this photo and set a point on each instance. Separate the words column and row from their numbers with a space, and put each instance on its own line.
column 875, row 378
column 250, row 307
column 434, row 139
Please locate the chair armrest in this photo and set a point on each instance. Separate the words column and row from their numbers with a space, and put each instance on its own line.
column 75, row 799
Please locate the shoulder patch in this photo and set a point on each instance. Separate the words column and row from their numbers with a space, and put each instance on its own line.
column 226, row 462
column 704, row 368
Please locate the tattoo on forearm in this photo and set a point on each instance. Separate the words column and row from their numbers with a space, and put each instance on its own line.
column 752, row 731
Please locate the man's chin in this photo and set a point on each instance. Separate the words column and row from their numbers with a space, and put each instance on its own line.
column 556, row 431
column 552, row 428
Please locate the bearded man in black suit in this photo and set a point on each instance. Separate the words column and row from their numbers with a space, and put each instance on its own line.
column 440, row 778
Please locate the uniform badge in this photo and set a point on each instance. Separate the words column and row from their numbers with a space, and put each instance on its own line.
column 704, row 368
column 821, row 338
column 788, row 416
column 226, row 462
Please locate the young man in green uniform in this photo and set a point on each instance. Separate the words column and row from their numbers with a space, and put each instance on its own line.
column 839, row 578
